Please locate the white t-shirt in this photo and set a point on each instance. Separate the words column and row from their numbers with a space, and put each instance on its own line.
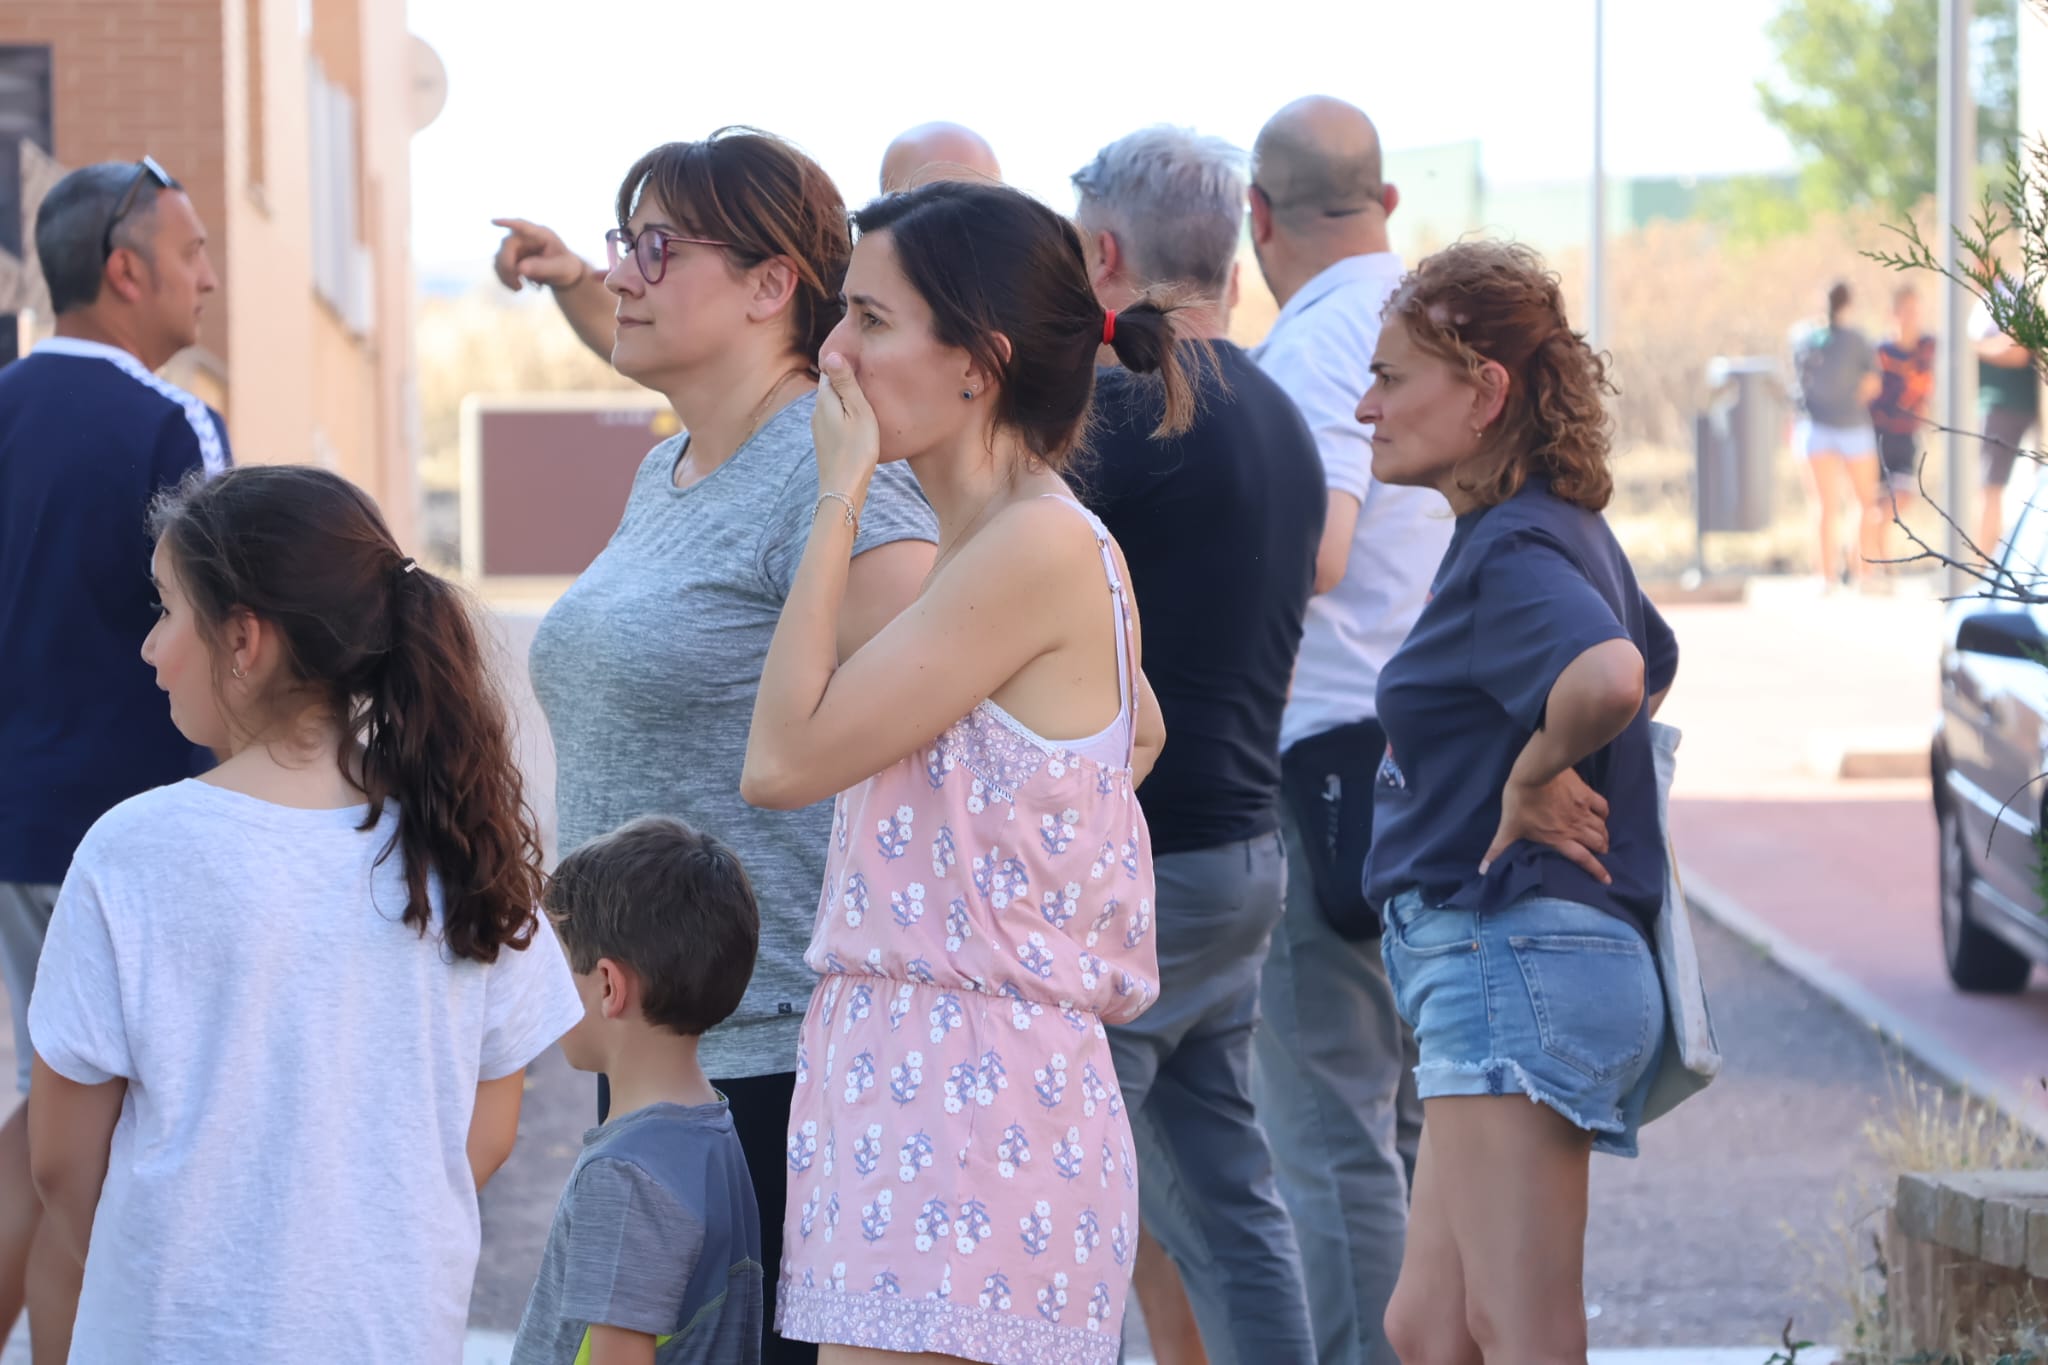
column 289, row 1177
column 1320, row 351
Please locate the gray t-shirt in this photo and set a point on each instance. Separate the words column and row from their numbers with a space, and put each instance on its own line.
column 657, row 1233
column 647, row 669
column 288, row 1177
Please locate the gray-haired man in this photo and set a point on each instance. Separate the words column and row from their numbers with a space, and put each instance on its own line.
column 1219, row 528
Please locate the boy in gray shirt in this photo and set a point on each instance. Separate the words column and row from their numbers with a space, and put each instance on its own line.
column 655, row 1251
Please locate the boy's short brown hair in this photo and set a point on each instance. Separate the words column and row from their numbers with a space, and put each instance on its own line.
column 670, row 903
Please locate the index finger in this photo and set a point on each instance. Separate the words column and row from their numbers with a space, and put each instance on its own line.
column 506, row 263
column 844, row 383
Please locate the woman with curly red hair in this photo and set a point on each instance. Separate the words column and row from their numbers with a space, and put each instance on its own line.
column 1517, row 858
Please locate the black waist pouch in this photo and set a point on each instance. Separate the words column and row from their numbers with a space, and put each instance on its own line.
column 1327, row 781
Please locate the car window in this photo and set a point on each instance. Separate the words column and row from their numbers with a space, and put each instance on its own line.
column 2026, row 552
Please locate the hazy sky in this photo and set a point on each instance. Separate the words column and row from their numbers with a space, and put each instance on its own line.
column 549, row 102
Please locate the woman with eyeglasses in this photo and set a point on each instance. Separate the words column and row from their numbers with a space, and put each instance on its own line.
column 726, row 266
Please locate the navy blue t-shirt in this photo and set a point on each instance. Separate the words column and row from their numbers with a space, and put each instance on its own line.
column 1219, row 527
column 1525, row 588
column 87, row 438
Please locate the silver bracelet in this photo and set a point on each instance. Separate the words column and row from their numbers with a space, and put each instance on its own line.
column 852, row 516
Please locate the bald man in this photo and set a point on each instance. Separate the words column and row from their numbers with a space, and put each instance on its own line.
column 937, row 151
column 1333, row 1078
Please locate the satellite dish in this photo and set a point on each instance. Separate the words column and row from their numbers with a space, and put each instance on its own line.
column 429, row 93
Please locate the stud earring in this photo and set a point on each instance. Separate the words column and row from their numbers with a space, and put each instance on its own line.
column 238, row 671
column 967, row 395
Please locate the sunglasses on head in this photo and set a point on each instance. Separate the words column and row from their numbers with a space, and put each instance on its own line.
column 145, row 169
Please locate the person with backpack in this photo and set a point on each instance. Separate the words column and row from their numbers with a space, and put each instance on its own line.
column 1836, row 368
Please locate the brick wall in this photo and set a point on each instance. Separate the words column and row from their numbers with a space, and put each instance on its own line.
column 136, row 76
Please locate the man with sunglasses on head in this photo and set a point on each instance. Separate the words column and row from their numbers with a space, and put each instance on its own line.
column 89, row 435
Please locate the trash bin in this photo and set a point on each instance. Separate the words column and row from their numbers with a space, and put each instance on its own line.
column 1738, row 441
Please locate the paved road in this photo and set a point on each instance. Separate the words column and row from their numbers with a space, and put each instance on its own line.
column 1843, row 870
column 1734, row 1217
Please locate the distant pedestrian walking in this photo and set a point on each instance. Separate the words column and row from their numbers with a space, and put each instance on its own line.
column 1905, row 366
column 2009, row 392
column 1836, row 369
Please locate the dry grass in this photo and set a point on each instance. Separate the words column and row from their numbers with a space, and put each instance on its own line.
column 492, row 341
column 1922, row 1127
column 1930, row 1128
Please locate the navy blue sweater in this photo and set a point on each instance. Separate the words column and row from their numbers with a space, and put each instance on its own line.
column 87, row 438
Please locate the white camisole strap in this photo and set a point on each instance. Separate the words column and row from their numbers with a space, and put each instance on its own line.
column 1126, row 663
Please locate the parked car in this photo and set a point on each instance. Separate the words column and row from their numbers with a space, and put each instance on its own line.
column 1990, row 765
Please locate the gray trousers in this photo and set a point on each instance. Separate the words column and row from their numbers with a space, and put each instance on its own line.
column 1205, row 1173
column 24, row 920
column 1334, row 1082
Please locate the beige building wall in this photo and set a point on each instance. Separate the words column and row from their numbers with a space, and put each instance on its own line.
column 391, row 112
column 270, row 318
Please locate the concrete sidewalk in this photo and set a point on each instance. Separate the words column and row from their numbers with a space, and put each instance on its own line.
column 1836, row 877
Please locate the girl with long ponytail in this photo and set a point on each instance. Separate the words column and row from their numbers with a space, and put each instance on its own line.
column 285, row 1010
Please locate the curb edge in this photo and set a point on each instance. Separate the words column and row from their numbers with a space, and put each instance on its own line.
column 1856, row 1000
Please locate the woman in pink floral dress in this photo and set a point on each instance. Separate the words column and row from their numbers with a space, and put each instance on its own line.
column 961, row 1176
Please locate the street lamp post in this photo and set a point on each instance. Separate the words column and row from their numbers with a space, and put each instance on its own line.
column 1955, row 162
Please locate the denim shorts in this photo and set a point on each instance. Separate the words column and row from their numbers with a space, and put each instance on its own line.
column 1547, row 998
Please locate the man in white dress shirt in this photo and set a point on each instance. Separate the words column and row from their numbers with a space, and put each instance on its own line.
column 1333, row 1080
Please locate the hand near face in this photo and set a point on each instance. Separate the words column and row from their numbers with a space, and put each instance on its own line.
column 843, row 428
column 1563, row 813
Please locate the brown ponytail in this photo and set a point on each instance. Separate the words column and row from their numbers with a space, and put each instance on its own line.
column 392, row 649
column 1145, row 342
column 995, row 263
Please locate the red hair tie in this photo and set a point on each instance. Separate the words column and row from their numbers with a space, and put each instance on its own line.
column 1108, row 326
